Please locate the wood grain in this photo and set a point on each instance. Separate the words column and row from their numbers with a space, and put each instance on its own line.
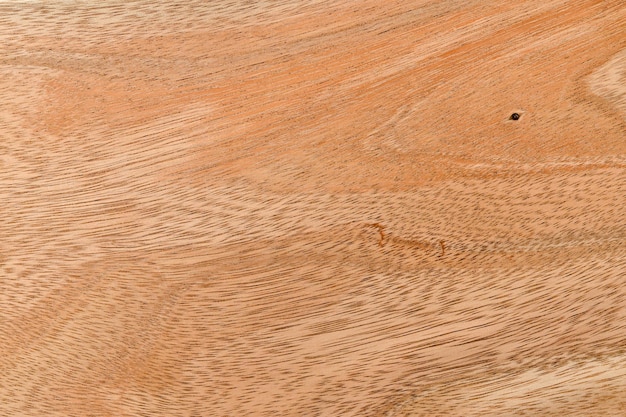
column 289, row 208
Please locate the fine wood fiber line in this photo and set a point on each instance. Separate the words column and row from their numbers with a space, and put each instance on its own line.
column 313, row 208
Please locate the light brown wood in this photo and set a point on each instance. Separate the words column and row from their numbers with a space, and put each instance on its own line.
column 285, row 208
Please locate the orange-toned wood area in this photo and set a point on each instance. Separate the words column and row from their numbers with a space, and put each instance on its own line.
column 312, row 208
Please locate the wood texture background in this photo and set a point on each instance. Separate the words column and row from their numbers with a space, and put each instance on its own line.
column 313, row 208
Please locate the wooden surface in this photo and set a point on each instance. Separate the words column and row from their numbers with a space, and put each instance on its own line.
column 289, row 208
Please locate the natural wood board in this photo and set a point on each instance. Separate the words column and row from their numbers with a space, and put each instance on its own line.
column 290, row 208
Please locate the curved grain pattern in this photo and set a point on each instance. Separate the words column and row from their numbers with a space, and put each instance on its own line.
column 286, row 208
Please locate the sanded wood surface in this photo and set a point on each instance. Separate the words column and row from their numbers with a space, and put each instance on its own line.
column 313, row 208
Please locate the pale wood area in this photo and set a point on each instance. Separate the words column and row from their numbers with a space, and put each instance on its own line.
column 313, row 208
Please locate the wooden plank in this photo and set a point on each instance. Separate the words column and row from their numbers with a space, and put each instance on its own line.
column 287, row 208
